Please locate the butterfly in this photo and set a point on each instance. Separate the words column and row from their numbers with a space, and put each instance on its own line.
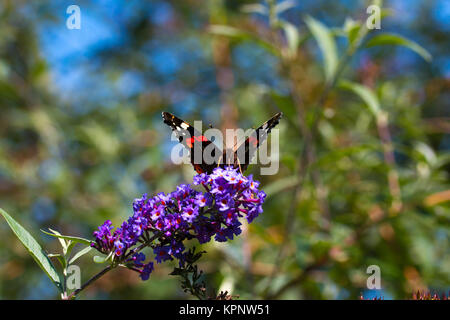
column 238, row 157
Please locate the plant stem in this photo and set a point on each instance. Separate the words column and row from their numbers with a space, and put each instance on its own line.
column 87, row 283
column 143, row 245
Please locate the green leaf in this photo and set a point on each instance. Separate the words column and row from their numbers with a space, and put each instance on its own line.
column 285, row 5
column 255, row 8
column 326, row 44
column 34, row 249
column 75, row 239
column 62, row 261
column 365, row 93
column 227, row 31
column 281, row 185
column 427, row 152
column 63, row 243
column 395, row 39
column 240, row 35
column 292, row 36
column 80, row 254
column 54, row 255
column 98, row 259
column 176, row 272
column 351, row 28
column 70, row 246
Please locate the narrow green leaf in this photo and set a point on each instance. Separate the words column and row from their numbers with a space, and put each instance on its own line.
column 62, row 261
column 34, row 249
column 255, row 8
column 227, row 31
column 326, row 44
column 63, row 243
column 280, row 185
column 70, row 246
column 427, row 152
column 75, row 239
column 365, row 93
column 395, row 39
column 80, row 254
column 292, row 37
column 240, row 35
column 285, row 5
column 352, row 28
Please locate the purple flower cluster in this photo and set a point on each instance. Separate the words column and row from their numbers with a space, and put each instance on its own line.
column 165, row 221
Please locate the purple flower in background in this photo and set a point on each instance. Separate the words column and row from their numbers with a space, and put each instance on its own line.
column 164, row 221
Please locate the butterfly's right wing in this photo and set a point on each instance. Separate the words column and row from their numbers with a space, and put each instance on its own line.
column 194, row 141
column 244, row 154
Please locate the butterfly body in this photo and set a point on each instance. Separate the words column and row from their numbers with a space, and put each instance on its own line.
column 205, row 162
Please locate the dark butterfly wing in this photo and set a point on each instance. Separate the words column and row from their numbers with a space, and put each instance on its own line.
column 244, row 154
column 194, row 141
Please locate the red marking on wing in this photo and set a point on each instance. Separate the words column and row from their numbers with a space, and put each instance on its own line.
column 201, row 138
column 253, row 141
column 190, row 141
column 198, row 168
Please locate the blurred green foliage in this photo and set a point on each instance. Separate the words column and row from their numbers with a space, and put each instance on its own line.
column 364, row 158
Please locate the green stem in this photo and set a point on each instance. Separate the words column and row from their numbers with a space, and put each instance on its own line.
column 87, row 283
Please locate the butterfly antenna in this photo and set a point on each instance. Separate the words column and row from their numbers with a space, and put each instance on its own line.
column 239, row 163
column 218, row 162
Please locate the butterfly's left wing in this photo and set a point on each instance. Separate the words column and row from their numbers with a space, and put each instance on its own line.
column 194, row 141
column 244, row 154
